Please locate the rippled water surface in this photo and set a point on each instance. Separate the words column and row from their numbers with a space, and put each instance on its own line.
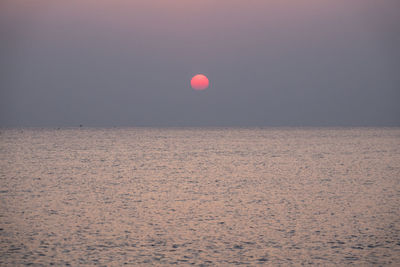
column 142, row 196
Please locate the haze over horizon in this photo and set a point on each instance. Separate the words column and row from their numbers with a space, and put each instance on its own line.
column 129, row 63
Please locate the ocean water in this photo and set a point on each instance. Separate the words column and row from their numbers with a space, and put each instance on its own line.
column 202, row 196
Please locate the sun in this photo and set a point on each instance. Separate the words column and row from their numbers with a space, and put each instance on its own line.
column 200, row 82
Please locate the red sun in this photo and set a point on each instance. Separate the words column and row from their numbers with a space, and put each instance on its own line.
column 199, row 82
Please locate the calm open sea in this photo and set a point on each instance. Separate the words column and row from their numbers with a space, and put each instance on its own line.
column 203, row 196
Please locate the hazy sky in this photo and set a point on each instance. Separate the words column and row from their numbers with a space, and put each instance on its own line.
column 270, row 62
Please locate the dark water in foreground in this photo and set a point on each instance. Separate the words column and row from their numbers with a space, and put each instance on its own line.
column 200, row 196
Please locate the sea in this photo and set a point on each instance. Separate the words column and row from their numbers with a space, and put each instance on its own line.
column 200, row 196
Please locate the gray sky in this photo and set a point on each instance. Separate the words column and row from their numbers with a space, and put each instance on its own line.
column 270, row 63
